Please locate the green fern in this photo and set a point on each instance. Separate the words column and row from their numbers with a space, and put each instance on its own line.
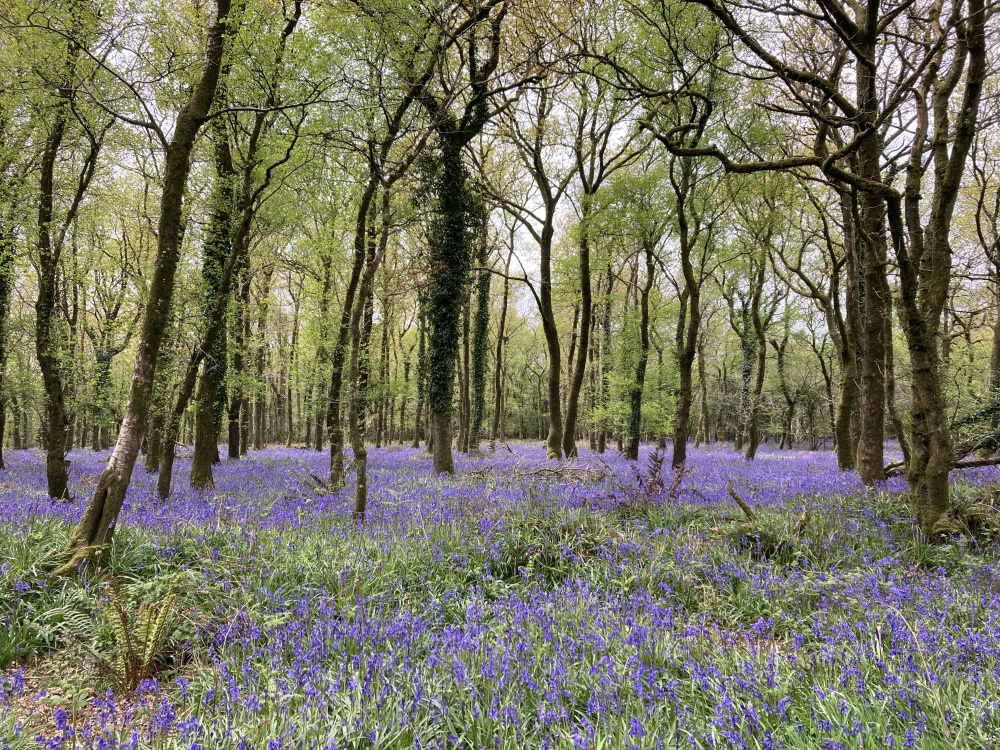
column 138, row 639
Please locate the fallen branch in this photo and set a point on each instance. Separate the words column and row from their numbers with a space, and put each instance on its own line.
column 747, row 510
column 567, row 472
column 899, row 468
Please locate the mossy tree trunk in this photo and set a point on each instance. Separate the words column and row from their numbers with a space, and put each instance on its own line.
column 96, row 527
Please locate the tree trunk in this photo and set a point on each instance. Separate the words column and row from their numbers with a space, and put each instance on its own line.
column 205, row 440
column 890, row 386
column 702, row 435
column 553, row 443
column 586, row 315
column 925, row 266
column 480, row 345
column 46, row 345
column 95, row 529
column 687, row 337
column 605, row 363
column 218, row 247
column 421, row 376
column 449, row 260
column 6, row 286
column 635, row 401
column 464, row 368
column 360, row 363
column 498, row 356
column 753, row 429
column 361, row 233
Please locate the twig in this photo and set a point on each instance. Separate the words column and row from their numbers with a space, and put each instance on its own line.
column 678, row 478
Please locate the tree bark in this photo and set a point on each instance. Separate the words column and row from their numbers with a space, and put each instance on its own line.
column 925, row 262
column 218, row 247
column 752, row 428
column 46, row 344
column 343, row 336
column 586, row 315
column 6, row 286
column 498, row 356
column 95, row 529
column 635, row 397
column 360, row 362
column 689, row 320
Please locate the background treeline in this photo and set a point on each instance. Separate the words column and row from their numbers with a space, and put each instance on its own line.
column 334, row 224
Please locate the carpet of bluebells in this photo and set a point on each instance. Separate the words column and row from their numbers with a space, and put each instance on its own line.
column 520, row 604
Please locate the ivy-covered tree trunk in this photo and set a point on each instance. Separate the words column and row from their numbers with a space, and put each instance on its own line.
column 218, row 246
column 448, row 268
column 95, row 529
column 157, row 416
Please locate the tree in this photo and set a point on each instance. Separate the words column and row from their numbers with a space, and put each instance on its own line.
column 458, row 217
column 96, row 527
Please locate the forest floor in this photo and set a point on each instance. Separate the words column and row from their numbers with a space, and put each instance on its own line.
column 522, row 604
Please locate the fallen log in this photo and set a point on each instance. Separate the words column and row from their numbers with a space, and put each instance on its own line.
column 899, row 468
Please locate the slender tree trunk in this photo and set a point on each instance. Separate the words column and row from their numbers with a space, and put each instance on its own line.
column 605, row 394
column 466, row 384
column 753, row 430
column 688, row 322
column 553, row 443
column 635, row 400
column 360, row 362
column 586, row 314
column 361, row 233
column 498, row 356
column 421, row 376
column 480, row 345
column 890, row 386
column 702, row 435
column 96, row 527
column 260, row 396
column 6, row 286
